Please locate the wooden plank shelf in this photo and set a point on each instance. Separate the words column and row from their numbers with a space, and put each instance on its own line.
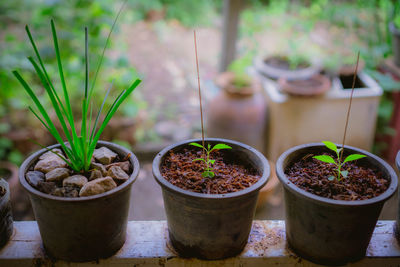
column 147, row 245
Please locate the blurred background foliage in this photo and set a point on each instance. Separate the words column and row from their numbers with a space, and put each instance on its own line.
column 366, row 19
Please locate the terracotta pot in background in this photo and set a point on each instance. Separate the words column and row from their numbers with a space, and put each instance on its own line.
column 315, row 85
column 237, row 113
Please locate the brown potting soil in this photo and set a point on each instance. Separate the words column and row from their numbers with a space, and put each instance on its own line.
column 179, row 169
column 361, row 183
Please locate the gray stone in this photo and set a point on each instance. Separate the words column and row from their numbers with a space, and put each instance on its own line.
column 117, row 174
column 34, row 177
column 104, row 155
column 95, row 174
column 97, row 186
column 100, row 167
column 69, row 191
column 57, row 175
column 47, row 187
column 50, row 154
column 50, row 163
column 124, row 165
column 75, row 181
column 58, row 192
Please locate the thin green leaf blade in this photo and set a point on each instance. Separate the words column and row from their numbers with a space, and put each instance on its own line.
column 353, row 157
column 325, row 158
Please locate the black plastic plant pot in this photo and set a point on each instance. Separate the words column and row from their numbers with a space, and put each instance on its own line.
column 211, row 226
column 6, row 220
column 328, row 231
column 397, row 226
column 83, row 228
column 395, row 43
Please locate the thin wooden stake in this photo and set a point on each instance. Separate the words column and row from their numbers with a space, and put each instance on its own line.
column 348, row 110
column 198, row 81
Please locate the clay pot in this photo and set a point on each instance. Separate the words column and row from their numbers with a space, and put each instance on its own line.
column 211, row 226
column 328, row 231
column 83, row 228
column 315, row 85
column 233, row 111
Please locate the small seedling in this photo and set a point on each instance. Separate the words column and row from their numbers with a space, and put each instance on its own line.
column 209, row 162
column 338, row 162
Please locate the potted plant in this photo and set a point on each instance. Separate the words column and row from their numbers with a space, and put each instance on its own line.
column 333, row 198
column 326, row 230
column 238, row 106
column 210, row 189
column 202, row 221
column 6, row 220
column 79, row 188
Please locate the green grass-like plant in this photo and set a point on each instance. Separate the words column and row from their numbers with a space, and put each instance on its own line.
column 81, row 146
column 209, row 162
column 338, row 162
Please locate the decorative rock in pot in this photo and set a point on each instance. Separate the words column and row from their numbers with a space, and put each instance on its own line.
column 210, row 217
column 320, row 225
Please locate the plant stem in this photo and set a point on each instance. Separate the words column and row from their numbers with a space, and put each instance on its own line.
column 348, row 110
column 198, row 81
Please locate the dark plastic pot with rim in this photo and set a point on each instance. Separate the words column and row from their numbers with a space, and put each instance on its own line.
column 397, row 226
column 83, row 228
column 395, row 43
column 211, row 226
column 6, row 220
column 328, row 231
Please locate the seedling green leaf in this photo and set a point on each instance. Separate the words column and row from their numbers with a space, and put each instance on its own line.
column 209, row 162
column 196, row 144
column 221, row 146
column 353, row 157
column 337, row 162
column 330, row 145
column 325, row 158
